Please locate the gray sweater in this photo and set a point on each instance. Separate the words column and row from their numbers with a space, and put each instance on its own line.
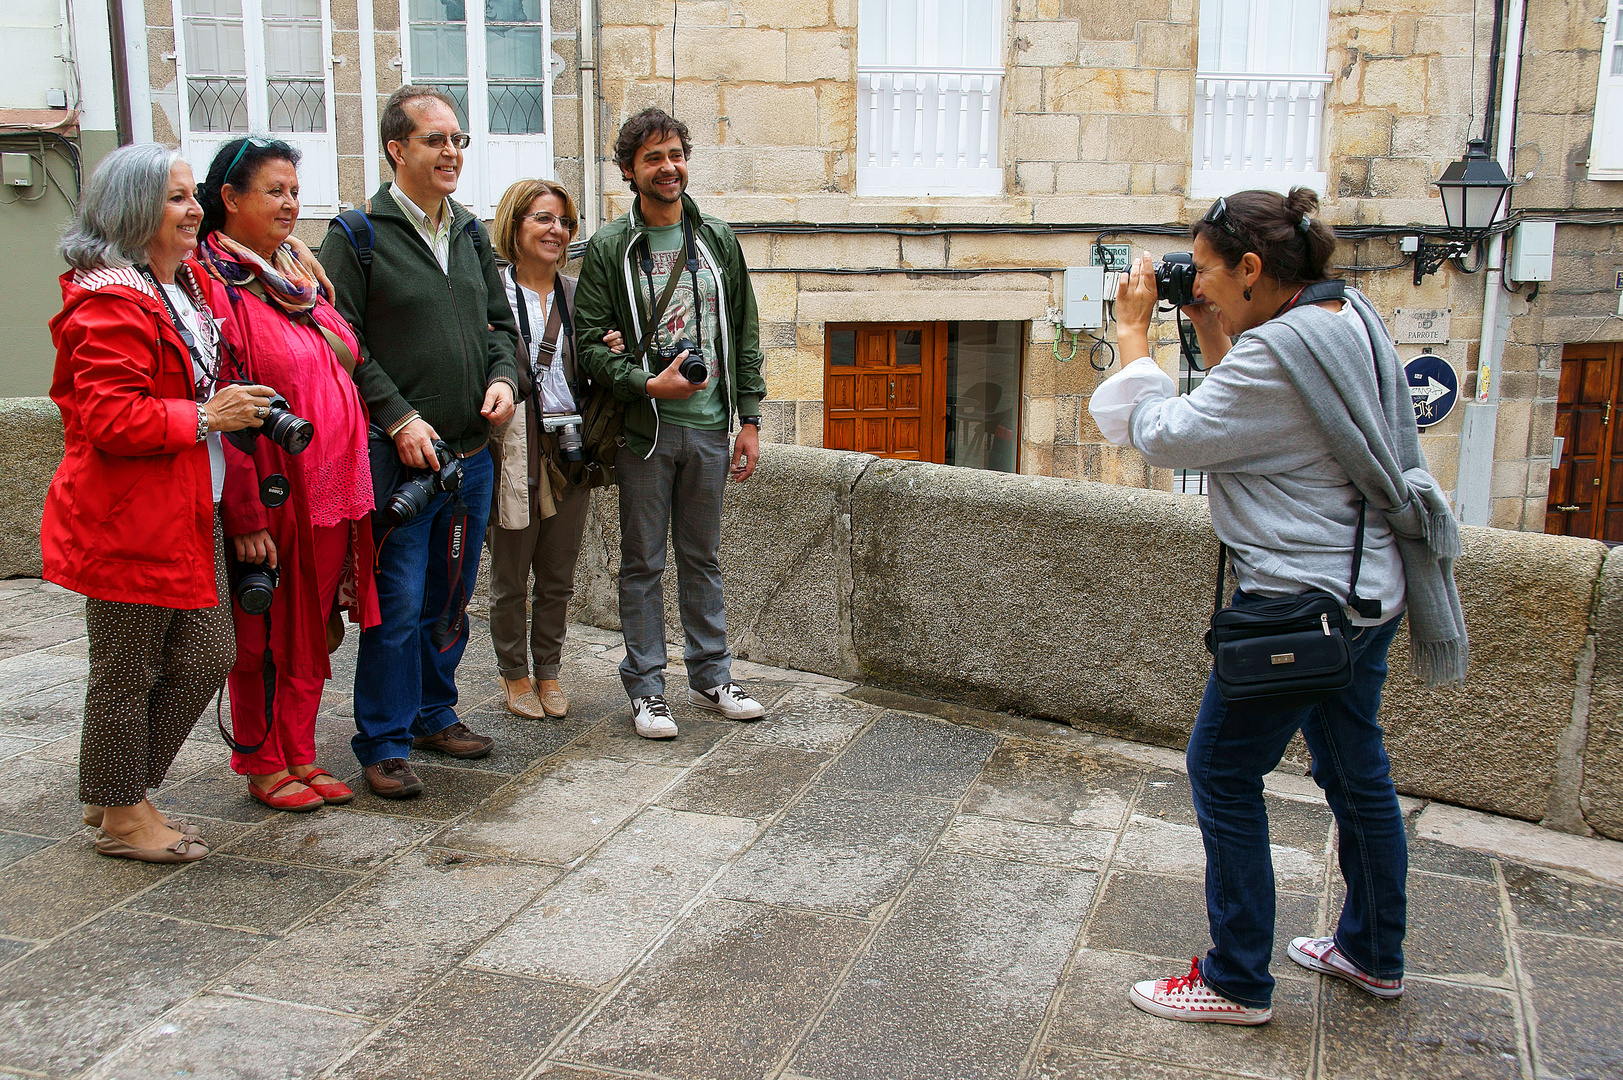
column 1279, row 500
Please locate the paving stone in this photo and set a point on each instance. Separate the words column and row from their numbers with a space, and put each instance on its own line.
column 1160, row 916
column 378, row 945
column 1166, row 796
column 957, row 982
column 912, row 755
column 1166, row 847
column 616, row 740
column 78, row 998
column 41, row 633
column 447, row 793
column 216, row 792
column 21, row 676
column 11, row 948
column 744, row 779
column 1094, row 1014
column 558, row 815
column 45, row 714
column 812, row 720
column 1031, row 782
column 67, row 883
column 845, row 852
column 219, row 1037
column 1564, row 904
column 519, row 740
column 1574, row 985
column 23, row 607
column 40, row 797
column 334, row 838
column 1052, row 845
column 723, row 995
column 1454, row 929
column 13, row 745
column 195, row 755
column 14, row 846
column 229, row 891
column 502, row 1024
column 553, row 1071
column 1060, row 1063
column 1436, row 857
column 1434, row 1030
column 594, row 923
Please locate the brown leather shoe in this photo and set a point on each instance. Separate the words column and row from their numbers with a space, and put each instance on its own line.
column 458, row 741
column 555, row 703
column 392, row 778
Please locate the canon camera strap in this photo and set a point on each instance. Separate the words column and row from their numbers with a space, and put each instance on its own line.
column 559, row 315
column 453, row 621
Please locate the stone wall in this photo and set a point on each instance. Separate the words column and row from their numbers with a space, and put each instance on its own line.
column 1085, row 603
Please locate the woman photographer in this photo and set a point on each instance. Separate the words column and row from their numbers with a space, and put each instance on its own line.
column 540, row 513
column 277, row 329
column 1305, row 428
column 131, row 519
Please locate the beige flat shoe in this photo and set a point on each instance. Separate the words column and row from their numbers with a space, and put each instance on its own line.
column 94, row 814
column 554, row 703
column 186, row 849
column 526, row 704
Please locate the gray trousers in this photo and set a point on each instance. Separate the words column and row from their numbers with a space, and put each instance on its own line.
column 548, row 547
column 152, row 673
column 677, row 490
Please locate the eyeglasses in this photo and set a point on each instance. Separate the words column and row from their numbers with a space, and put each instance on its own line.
column 546, row 220
column 1218, row 215
column 246, row 143
column 438, row 140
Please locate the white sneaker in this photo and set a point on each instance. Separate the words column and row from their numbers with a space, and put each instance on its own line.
column 1321, row 954
column 729, row 700
column 652, row 717
column 1189, row 998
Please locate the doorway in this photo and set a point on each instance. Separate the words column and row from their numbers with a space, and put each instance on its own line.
column 1586, row 491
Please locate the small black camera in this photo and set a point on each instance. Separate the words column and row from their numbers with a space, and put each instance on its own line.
column 1175, row 279
column 693, row 369
column 412, row 497
column 281, row 425
column 255, row 587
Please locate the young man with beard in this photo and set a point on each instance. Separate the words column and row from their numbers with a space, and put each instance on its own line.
column 674, row 464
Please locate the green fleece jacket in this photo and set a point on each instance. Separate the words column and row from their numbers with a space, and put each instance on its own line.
column 604, row 301
column 436, row 340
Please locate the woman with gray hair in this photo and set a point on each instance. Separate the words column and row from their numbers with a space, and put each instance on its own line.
column 132, row 516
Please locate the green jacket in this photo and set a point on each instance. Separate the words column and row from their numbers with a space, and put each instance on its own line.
column 604, row 301
column 424, row 330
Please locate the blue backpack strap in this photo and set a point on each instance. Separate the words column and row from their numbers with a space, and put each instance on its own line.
column 358, row 228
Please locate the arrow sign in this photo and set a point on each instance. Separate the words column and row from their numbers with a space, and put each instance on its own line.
column 1433, row 387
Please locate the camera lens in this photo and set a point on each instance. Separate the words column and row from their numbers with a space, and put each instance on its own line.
column 569, row 442
column 288, row 430
column 255, row 590
column 410, row 499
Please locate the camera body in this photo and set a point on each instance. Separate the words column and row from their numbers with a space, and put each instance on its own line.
column 567, row 427
column 254, row 586
column 413, row 496
column 281, row 426
column 1175, row 279
column 693, row 369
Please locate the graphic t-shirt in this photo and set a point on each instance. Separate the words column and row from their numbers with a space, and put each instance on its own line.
column 707, row 409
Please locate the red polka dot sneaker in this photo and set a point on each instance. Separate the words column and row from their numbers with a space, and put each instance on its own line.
column 1321, row 955
column 1189, row 998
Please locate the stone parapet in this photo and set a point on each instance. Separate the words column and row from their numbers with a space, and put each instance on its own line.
column 31, row 438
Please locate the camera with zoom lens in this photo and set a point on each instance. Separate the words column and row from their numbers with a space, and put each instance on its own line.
column 566, row 426
column 281, row 425
column 255, row 586
column 1175, row 279
column 413, row 496
column 693, row 369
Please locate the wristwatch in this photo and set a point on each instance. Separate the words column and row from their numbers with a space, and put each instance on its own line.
column 756, row 420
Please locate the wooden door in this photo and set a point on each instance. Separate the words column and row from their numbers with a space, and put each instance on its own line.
column 1586, row 492
column 883, row 389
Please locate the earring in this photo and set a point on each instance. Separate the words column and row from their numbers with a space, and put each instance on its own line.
column 1248, row 292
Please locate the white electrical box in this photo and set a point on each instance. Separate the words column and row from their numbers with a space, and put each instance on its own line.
column 1532, row 251
column 17, row 170
column 1084, row 298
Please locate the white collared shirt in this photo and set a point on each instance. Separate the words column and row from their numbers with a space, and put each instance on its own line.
column 438, row 238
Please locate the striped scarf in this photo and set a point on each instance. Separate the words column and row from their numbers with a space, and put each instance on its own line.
column 286, row 282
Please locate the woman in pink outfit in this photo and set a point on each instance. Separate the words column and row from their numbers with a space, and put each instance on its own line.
column 278, row 330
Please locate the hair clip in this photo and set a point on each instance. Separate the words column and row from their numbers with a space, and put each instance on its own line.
column 1305, row 225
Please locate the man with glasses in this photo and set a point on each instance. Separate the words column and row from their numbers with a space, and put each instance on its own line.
column 419, row 285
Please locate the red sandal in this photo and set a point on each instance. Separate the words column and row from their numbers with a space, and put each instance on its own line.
column 335, row 793
column 296, row 801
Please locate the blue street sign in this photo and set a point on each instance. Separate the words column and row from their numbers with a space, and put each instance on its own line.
column 1434, row 388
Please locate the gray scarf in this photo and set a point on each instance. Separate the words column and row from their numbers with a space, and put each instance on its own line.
column 1370, row 427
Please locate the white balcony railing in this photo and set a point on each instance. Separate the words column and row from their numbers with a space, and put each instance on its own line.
column 1257, row 131
column 928, row 131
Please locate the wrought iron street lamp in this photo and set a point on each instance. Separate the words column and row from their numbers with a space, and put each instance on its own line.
column 1472, row 190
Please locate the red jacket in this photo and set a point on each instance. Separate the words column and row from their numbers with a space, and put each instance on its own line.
column 130, row 513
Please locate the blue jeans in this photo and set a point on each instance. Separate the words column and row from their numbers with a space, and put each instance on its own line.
column 678, row 489
column 1232, row 747
column 405, row 687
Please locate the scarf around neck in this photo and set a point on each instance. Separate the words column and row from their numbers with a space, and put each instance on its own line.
column 1370, row 427
column 286, row 282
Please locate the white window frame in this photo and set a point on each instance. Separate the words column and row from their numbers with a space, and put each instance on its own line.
column 929, row 130
column 492, row 162
column 318, row 163
column 1264, row 127
column 1606, row 143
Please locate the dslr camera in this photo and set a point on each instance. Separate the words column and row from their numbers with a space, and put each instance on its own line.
column 693, row 369
column 254, row 585
column 566, row 426
column 281, row 426
column 413, row 496
column 1175, row 279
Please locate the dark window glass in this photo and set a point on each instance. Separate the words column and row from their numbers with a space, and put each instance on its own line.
column 983, row 394
column 842, row 348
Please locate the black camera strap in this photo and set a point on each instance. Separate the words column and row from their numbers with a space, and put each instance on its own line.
column 558, row 324
column 453, row 621
column 268, row 674
column 210, row 375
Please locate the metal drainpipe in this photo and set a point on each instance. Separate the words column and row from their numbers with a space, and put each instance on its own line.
column 587, row 63
column 1475, row 494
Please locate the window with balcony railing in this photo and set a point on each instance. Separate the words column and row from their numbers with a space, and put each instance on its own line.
column 1259, row 96
column 929, row 83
